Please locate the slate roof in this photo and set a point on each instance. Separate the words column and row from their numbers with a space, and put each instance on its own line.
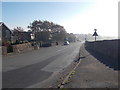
column 1, row 23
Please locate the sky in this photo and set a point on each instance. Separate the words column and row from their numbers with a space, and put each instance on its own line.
column 77, row 17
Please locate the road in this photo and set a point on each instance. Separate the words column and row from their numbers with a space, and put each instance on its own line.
column 34, row 67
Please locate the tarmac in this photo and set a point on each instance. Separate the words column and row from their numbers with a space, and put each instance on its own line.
column 92, row 73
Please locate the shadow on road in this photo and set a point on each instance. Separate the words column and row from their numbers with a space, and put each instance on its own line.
column 105, row 60
column 28, row 75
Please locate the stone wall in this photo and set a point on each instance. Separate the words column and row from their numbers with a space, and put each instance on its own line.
column 107, row 48
column 18, row 48
column 22, row 47
column 4, row 50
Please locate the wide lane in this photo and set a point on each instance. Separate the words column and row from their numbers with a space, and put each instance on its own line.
column 27, row 69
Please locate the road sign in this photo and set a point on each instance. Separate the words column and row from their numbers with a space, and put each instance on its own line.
column 95, row 34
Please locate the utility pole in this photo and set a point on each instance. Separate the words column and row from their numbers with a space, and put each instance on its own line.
column 95, row 33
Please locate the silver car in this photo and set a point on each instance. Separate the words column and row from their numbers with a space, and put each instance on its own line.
column 66, row 43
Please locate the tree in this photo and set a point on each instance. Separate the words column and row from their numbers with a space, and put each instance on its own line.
column 71, row 37
column 17, row 33
column 35, row 27
column 58, row 32
column 20, row 29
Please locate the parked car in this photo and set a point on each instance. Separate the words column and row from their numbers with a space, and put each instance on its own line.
column 66, row 43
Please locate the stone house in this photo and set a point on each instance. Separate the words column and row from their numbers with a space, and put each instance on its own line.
column 21, row 36
column 5, row 34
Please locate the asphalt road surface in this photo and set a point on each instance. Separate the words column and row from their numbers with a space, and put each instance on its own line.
column 34, row 67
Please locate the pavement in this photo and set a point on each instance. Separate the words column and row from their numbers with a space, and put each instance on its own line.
column 38, row 68
column 92, row 73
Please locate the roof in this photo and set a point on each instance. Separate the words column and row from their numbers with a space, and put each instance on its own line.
column 1, row 23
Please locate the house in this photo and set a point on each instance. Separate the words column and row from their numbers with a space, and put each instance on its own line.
column 5, row 34
column 21, row 36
